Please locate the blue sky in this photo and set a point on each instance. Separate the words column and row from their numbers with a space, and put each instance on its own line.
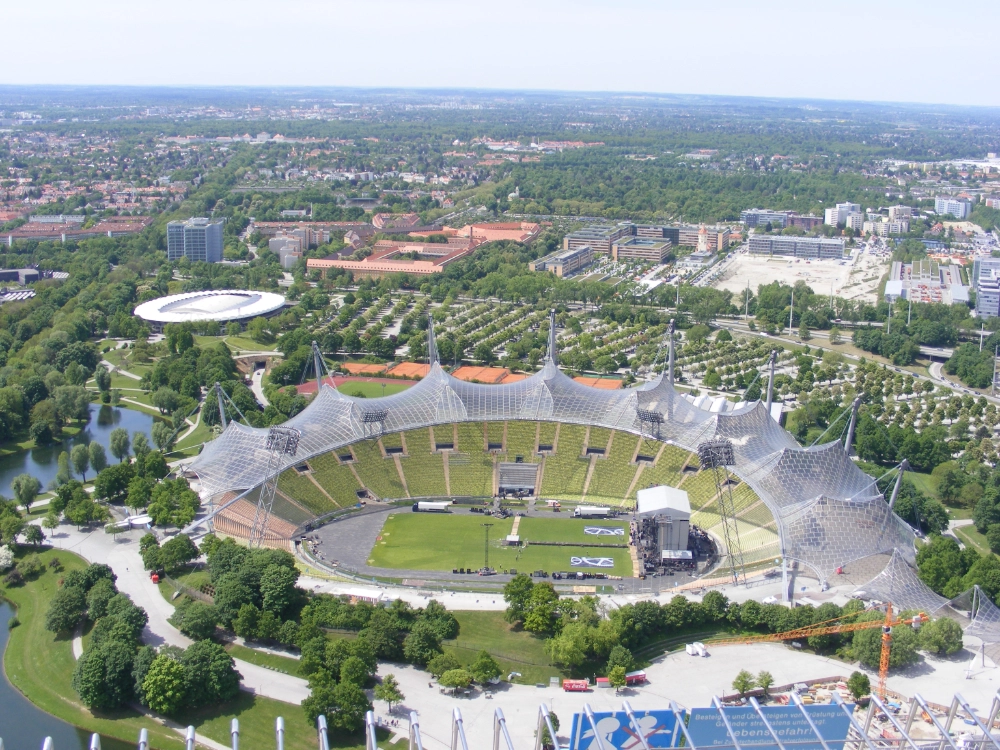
column 884, row 50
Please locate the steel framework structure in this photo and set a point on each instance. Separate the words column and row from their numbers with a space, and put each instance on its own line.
column 717, row 455
column 281, row 442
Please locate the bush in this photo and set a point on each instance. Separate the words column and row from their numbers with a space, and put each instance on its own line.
column 14, row 578
column 196, row 620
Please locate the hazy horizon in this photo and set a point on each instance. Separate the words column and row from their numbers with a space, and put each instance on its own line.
column 890, row 52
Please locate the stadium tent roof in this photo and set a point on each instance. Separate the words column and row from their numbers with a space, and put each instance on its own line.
column 221, row 305
column 828, row 512
column 656, row 500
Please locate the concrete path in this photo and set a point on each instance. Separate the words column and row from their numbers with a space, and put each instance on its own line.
column 115, row 368
column 122, row 554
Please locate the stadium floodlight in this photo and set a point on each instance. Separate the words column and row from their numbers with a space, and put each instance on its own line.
column 649, row 423
column 717, row 455
column 281, row 441
column 373, row 417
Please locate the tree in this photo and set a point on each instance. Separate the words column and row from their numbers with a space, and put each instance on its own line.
column 103, row 675
column 835, row 335
column 67, row 608
column 140, row 445
column 616, row 678
column 859, row 685
column 162, row 435
column 80, row 458
column 744, row 682
column 98, row 597
column 33, row 535
column 622, row 657
column 517, row 594
column 442, row 663
column 25, row 488
column 867, row 646
column 570, row 647
column 102, row 378
column 63, row 474
column 211, row 674
column 455, row 679
column 140, row 667
column 421, row 644
column 6, row 558
column 344, row 705
column 177, row 551
column 165, row 685
column 354, row 671
column 485, row 668
column 119, row 443
column 484, row 353
column 546, row 738
column 51, row 521
column 140, row 491
column 764, row 681
column 112, row 482
column 277, row 588
column 388, row 691
column 941, row 636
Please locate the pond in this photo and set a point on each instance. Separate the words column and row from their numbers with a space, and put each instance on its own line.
column 42, row 462
column 23, row 726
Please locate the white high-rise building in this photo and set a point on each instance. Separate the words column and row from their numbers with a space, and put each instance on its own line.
column 945, row 205
column 900, row 212
column 839, row 213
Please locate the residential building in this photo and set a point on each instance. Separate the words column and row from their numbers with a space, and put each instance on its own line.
column 854, row 221
column 797, row 247
column 838, row 214
column 988, row 293
column 197, row 239
column 983, row 264
column 992, row 203
column 957, row 208
column 395, row 221
column 898, row 213
column 564, row 262
column 642, row 249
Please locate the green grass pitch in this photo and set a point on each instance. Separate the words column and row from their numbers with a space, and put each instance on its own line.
column 442, row 541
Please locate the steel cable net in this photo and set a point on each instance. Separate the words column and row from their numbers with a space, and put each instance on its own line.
column 828, row 511
column 982, row 613
column 898, row 583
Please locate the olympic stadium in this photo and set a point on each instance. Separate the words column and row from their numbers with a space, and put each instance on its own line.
column 810, row 507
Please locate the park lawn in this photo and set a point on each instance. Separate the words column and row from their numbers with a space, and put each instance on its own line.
column 441, row 541
column 40, row 664
column 971, row 537
column 567, row 529
column 284, row 664
column 371, row 390
column 245, row 344
column 201, row 434
column 515, row 650
column 926, row 483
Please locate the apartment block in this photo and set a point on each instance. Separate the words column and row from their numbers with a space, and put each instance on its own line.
column 838, row 214
column 197, row 239
column 957, row 208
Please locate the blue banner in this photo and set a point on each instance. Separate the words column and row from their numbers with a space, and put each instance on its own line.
column 788, row 722
column 617, row 732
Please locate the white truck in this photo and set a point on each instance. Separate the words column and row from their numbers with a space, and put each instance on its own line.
column 426, row 507
column 590, row 511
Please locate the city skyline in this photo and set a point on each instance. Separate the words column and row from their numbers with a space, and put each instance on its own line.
column 778, row 49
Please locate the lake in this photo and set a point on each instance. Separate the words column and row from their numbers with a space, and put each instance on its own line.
column 42, row 462
column 23, row 726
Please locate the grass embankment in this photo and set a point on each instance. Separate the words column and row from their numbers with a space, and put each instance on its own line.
column 458, row 542
column 41, row 664
column 515, row 650
column 969, row 536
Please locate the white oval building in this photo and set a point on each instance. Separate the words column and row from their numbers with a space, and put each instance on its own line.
column 222, row 305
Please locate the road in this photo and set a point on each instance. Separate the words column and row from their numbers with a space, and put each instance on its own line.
column 257, row 388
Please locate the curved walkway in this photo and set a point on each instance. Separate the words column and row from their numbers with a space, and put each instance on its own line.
column 122, row 554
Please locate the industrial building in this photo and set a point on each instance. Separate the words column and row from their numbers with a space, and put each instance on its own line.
column 926, row 281
column 797, row 247
column 564, row 262
column 197, row 239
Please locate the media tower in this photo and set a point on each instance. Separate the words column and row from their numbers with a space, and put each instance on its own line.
column 718, row 455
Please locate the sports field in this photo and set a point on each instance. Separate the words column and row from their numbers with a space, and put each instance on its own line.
column 442, row 541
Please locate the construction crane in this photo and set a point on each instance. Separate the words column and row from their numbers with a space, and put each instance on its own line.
column 826, row 628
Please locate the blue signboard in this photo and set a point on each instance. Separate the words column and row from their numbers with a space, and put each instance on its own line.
column 617, row 732
column 788, row 722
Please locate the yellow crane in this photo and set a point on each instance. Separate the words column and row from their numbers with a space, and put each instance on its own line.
column 826, row 628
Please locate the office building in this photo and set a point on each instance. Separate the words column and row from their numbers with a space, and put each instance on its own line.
column 900, row 213
column 641, row 248
column 945, row 205
column 564, row 262
column 761, row 217
column 196, row 239
column 838, row 214
column 807, row 222
column 797, row 247
column 598, row 237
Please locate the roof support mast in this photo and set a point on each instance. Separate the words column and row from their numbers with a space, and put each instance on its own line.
column 222, row 406
column 770, row 380
column 670, row 358
column 850, row 427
